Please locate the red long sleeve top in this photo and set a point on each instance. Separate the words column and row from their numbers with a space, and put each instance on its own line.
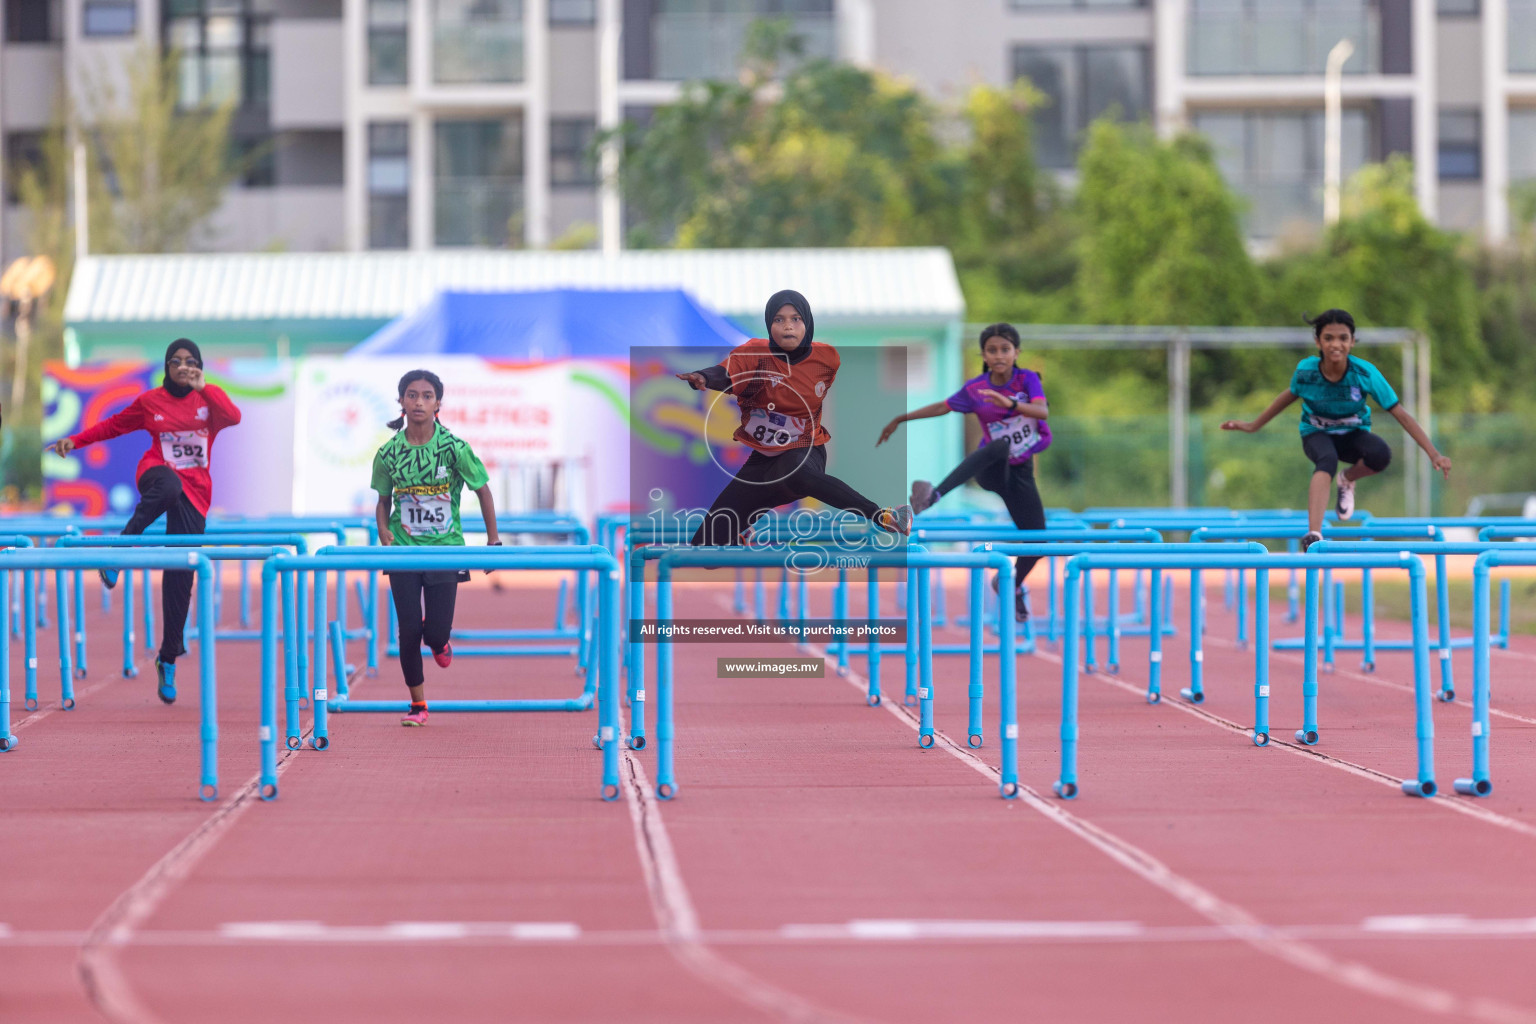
column 181, row 434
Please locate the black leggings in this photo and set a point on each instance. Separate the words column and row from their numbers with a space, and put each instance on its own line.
column 160, row 493
column 765, row 482
column 1328, row 450
column 424, row 605
column 1014, row 484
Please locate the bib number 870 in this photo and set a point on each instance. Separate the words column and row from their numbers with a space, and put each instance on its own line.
column 769, row 436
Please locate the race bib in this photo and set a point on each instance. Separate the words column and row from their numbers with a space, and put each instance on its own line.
column 185, row 449
column 1335, row 426
column 1019, row 430
column 774, row 429
column 426, row 515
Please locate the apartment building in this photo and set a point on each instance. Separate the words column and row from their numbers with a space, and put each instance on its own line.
column 421, row 124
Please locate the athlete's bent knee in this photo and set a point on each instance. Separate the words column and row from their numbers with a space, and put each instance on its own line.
column 1378, row 458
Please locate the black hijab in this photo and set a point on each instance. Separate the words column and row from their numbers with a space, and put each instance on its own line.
column 790, row 297
column 179, row 390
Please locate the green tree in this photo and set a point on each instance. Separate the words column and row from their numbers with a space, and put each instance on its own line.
column 154, row 172
column 1162, row 242
column 829, row 155
column 1388, row 265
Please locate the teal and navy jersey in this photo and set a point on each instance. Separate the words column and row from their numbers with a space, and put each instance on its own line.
column 425, row 481
column 1337, row 407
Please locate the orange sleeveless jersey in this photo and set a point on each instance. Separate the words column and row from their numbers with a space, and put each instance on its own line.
column 780, row 403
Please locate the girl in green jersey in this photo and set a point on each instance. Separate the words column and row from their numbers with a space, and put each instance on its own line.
column 419, row 474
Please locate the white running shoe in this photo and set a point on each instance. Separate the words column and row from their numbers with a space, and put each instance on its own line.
column 1346, row 502
column 1309, row 540
column 923, row 496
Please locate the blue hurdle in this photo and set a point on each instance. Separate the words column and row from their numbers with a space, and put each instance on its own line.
column 219, row 547
column 386, row 559
column 59, row 561
column 911, row 558
column 284, row 567
column 1440, row 549
column 1066, row 785
column 1333, row 639
column 27, row 613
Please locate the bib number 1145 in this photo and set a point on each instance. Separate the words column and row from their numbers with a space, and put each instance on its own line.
column 425, row 516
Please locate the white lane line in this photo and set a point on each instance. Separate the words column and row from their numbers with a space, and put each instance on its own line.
column 1446, row 800
column 1297, row 659
column 397, row 931
column 1408, row 927
column 1297, row 953
column 104, row 982
column 679, row 923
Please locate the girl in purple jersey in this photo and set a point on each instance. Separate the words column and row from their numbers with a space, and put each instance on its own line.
column 1010, row 403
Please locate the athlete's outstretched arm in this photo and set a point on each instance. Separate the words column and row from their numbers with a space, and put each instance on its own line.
column 713, row 378
column 1412, row 429
column 125, row 422
column 381, row 516
column 488, row 512
column 1276, row 407
column 938, row 408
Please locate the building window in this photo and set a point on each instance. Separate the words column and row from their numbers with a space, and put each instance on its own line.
column 225, row 51
column 1522, row 146
column 32, row 21
column 1274, row 159
column 256, row 156
column 478, row 172
column 1461, row 144
column 1521, row 34
column 693, row 39
column 389, row 185
column 1280, row 37
column 23, row 151
column 572, row 12
column 1091, row 5
column 109, row 17
column 477, row 41
column 388, row 42
column 1457, row 8
column 1081, row 83
column 570, row 152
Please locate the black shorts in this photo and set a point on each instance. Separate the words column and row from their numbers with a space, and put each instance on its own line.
column 1328, row 450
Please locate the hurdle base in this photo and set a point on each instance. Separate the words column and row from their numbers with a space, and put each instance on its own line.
column 1473, row 787
column 1425, row 789
column 582, row 703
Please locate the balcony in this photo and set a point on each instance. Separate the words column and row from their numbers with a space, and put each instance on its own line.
column 477, row 44
column 1282, row 37
column 477, row 211
column 689, row 45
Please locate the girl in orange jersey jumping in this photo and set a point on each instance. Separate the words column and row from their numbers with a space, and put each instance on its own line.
column 780, row 383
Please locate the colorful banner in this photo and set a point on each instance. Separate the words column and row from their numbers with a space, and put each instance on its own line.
column 512, row 415
column 252, row 464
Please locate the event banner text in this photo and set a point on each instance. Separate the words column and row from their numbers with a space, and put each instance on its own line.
column 788, row 631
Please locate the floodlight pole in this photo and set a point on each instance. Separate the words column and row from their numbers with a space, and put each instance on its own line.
column 1333, row 87
column 1178, row 420
column 610, row 22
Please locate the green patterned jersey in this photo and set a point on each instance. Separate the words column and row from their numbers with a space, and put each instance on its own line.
column 425, row 481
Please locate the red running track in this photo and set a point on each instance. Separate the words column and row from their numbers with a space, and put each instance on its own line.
column 816, row 866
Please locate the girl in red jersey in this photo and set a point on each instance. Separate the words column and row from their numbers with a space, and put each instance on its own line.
column 182, row 417
column 780, row 383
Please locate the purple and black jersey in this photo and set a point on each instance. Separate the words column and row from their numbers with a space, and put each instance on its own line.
column 1026, row 435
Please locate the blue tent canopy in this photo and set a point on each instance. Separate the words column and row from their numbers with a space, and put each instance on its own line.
column 558, row 324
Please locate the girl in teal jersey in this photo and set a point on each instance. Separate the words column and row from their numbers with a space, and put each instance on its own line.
column 1335, row 421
